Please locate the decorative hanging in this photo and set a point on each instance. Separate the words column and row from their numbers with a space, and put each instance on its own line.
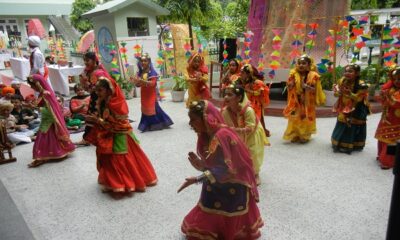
column 114, row 62
column 138, row 50
column 311, row 35
column 187, row 48
column 248, row 37
column 275, row 55
column 225, row 54
column 296, row 44
column 123, row 51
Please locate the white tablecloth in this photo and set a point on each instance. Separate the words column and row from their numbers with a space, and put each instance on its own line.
column 59, row 77
column 4, row 57
column 20, row 67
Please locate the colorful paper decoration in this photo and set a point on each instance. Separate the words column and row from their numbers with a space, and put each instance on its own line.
column 123, row 51
column 296, row 44
column 187, row 48
column 248, row 37
column 312, row 35
column 138, row 50
column 276, row 54
column 225, row 54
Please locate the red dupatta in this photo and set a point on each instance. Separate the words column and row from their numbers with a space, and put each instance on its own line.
column 236, row 155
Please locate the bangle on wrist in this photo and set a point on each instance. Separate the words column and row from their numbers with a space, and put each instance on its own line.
column 200, row 178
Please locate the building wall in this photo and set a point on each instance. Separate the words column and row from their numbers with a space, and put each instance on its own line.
column 22, row 28
column 134, row 10
column 108, row 22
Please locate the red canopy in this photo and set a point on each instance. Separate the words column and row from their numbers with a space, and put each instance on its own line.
column 35, row 28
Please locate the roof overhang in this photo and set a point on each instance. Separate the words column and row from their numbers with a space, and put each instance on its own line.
column 35, row 9
column 113, row 6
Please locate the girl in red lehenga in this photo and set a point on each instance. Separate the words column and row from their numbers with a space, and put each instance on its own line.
column 227, row 207
column 122, row 165
column 88, row 79
column 388, row 131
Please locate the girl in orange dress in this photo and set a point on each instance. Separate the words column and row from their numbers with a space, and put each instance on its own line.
column 122, row 164
column 256, row 91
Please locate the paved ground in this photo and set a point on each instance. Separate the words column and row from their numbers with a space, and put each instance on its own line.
column 307, row 191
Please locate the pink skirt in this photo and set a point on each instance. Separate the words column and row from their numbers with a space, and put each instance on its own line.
column 47, row 146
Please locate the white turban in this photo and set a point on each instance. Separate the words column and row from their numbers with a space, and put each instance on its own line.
column 34, row 41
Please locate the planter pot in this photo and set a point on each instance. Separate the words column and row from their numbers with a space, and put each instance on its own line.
column 330, row 98
column 178, row 96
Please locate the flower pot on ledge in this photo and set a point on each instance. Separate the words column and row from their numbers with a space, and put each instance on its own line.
column 178, row 96
column 330, row 98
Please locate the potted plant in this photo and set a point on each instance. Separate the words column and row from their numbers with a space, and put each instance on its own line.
column 178, row 89
column 125, row 85
column 327, row 83
column 374, row 75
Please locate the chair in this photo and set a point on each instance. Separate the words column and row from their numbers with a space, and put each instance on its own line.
column 220, row 66
column 5, row 145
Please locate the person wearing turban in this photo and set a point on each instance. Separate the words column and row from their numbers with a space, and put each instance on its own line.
column 7, row 92
column 36, row 59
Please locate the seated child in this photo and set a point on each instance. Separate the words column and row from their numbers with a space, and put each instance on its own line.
column 15, row 133
column 79, row 104
column 71, row 123
column 24, row 115
column 16, row 84
column 7, row 92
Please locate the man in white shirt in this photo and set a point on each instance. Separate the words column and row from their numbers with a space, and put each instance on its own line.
column 36, row 59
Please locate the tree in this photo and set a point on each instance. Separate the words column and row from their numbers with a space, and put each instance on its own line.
column 188, row 11
column 79, row 7
column 374, row 4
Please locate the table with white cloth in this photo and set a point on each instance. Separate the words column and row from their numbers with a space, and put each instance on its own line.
column 4, row 57
column 20, row 67
column 59, row 77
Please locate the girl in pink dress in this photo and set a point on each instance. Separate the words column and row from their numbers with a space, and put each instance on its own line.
column 52, row 140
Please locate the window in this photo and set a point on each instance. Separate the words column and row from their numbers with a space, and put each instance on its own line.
column 9, row 25
column 138, row 27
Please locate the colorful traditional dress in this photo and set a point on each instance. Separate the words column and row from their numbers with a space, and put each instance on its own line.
column 52, row 139
column 227, row 207
column 153, row 117
column 232, row 77
column 197, row 90
column 350, row 131
column 258, row 94
column 301, row 105
column 248, row 127
column 388, row 131
column 122, row 164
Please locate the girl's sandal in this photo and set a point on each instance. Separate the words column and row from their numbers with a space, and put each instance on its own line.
column 35, row 163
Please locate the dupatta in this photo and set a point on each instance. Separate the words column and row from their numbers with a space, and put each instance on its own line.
column 236, row 155
column 50, row 101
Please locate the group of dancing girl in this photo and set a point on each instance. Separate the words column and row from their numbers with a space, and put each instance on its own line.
column 230, row 139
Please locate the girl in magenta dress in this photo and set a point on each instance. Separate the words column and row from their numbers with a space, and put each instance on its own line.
column 52, row 140
column 153, row 117
column 227, row 207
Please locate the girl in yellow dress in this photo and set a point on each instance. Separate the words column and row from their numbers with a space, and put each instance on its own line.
column 304, row 94
column 240, row 116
